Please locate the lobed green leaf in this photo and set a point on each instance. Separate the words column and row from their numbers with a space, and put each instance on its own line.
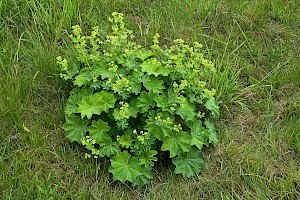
column 125, row 167
column 153, row 67
column 75, row 128
column 146, row 101
column 98, row 131
column 177, row 143
column 188, row 164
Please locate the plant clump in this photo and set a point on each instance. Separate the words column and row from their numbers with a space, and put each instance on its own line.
column 129, row 103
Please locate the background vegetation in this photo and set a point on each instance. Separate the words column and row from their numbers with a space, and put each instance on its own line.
column 255, row 46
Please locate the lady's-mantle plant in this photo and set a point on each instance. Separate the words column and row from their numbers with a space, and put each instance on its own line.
column 129, row 102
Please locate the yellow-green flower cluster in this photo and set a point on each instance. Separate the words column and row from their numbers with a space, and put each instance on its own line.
column 200, row 85
column 184, row 84
column 66, row 72
column 181, row 47
column 113, row 67
column 117, row 22
column 177, row 127
column 182, row 101
column 123, row 112
column 173, row 107
column 160, row 120
column 107, row 54
column 155, row 41
column 112, row 39
column 141, row 136
column 89, row 145
column 197, row 46
column 209, row 93
column 63, row 63
column 209, row 65
column 94, row 41
column 80, row 44
column 200, row 115
column 122, row 85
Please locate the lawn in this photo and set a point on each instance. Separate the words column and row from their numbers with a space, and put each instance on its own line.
column 255, row 46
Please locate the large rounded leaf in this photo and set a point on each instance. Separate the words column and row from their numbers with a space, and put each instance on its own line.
column 124, row 167
column 96, row 104
column 75, row 128
column 189, row 164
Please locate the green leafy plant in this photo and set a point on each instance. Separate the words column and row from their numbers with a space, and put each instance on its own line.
column 129, row 103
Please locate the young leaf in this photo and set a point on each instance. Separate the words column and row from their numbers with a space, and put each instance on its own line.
column 135, row 83
column 186, row 110
column 155, row 85
column 120, row 59
column 145, row 178
column 81, row 92
column 133, row 110
column 71, row 105
column 143, row 54
column 98, row 130
column 153, row 67
column 96, row 104
column 159, row 129
column 102, row 70
column 125, row 167
column 177, row 143
column 198, row 137
column 89, row 106
column 147, row 157
column 132, row 63
column 212, row 105
column 145, row 101
column 106, row 99
column 188, row 164
column 172, row 97
column 108, row 148
column 162, row 101
column 125, row 141
column 75, row 128
column 82, row 79
column 211, row 132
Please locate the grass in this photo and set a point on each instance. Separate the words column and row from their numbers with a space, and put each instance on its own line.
column 255, row 45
